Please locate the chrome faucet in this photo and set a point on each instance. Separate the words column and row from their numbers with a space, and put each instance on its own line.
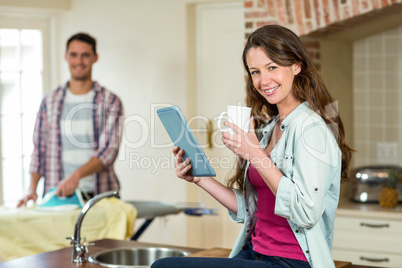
column 79, row 249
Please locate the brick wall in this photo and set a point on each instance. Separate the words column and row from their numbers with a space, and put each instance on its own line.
column 312, row 19
column 306, row 16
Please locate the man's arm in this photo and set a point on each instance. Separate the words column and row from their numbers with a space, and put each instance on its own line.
column 68, row 185
column 31, row 195
column 39, row 154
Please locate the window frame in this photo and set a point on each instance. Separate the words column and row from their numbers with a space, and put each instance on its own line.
column 43, row 24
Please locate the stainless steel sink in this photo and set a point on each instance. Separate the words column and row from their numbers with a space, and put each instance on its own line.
column 134, row 257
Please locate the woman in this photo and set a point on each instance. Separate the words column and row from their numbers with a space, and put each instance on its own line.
column 287, row 182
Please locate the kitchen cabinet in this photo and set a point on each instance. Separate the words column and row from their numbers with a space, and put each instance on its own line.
column 367, row 234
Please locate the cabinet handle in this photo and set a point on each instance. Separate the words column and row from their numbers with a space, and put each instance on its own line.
column 374, row 260
column 370, row 225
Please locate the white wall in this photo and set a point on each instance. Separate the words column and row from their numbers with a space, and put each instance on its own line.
column 142, row 58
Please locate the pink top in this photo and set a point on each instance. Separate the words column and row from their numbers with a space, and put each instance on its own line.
column 273, row 235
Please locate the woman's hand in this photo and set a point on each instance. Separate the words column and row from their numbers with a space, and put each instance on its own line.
column 183, row 167
column 245, row 145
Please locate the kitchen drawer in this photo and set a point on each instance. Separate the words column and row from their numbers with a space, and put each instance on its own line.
column 367, row 224
column 368, row 235
column 368, row 258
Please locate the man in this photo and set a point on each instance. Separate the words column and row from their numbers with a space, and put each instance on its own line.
column 77, row 131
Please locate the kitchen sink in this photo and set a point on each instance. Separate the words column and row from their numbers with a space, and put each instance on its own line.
column 134, row 257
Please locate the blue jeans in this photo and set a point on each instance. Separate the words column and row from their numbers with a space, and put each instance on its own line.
column 246, row 258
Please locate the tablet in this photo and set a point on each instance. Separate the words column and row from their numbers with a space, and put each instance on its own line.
column 182, row 136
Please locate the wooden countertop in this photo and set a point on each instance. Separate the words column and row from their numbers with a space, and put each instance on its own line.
column 62, row 258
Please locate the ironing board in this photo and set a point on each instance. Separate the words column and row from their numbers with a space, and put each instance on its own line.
column 149, row 210
column 28, row 230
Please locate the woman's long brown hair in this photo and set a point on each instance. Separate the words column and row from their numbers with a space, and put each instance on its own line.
column 285, row 49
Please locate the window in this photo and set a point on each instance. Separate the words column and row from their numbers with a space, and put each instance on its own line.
column 21, row 90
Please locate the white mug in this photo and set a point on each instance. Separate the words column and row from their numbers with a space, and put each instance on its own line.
column 238, row 115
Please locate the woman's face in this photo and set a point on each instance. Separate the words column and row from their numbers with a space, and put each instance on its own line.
column 272, row 81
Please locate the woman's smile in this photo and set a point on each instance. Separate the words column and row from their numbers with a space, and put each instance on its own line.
column 270, row 91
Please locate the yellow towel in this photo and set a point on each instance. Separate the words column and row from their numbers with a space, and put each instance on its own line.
column 27, row 231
